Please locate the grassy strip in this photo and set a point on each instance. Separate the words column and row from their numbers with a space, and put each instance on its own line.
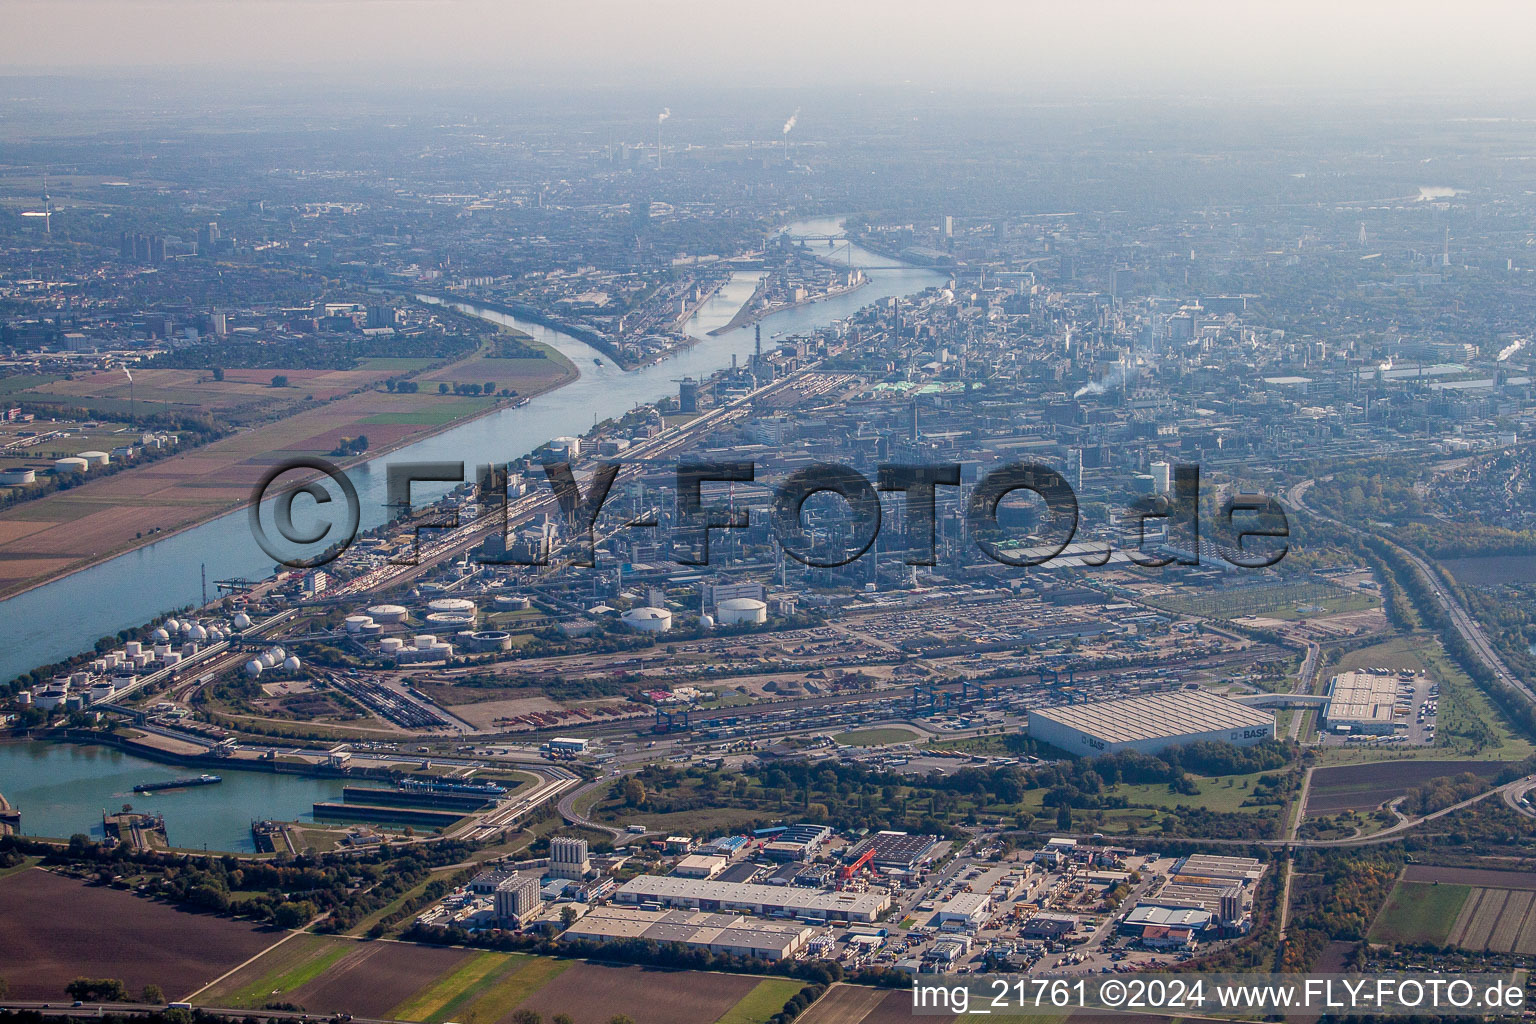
column 318, row 956
column 766, row 999
column 432, row 1000
column 529, row 974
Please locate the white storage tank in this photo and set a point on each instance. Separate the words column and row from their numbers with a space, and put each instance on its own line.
column 242, row 620
column 512, row 602
column 291, row 663
column 451, row 604
column 648, row 620
column 160, row 635
column 17, row 477
column 356, row 623
column 740, row 610
column 391, row 644
column 70, row 466
column 253, row 667
column 390, row 613
column 95, row 458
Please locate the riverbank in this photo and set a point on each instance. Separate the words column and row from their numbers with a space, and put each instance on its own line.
column 532, row 315
column 570, row 372
column 747, row 315
column 744, row 315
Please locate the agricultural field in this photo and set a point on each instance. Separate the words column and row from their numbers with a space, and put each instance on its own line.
column 1476, row 909
column 844, row 1004
column 1496, row 920
column 100, row 518
column 434, row 985
column 50, row 933
column 1419, row 912
column 1363, row 787
column 593, row 993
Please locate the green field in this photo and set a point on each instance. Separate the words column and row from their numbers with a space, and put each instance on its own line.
column 1419, row 912
column 1225, row 794
column 524, row 977
column 875, row 737
column 767, row 999
column 297, row 962
column 441, row 1000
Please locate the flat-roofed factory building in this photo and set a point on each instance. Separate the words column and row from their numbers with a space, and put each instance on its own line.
column 1150, row 723
column 1361, row 702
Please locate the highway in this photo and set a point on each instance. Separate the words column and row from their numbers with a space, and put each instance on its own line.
column 1465, row 624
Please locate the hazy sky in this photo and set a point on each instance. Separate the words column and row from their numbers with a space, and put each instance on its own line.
column 1402, row 45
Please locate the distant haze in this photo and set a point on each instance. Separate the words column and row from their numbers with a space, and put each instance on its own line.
column 1079, row 46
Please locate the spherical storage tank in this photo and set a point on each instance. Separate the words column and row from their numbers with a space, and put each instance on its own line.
column 391, row 613
column 253, row 667
column 648, row 620
column 242, row 620
column 740, row 610
column 291, row 663
column 65, row 467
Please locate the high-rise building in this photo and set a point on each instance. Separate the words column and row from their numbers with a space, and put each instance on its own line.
column 1075, row 469
column 220, row 323
column 1162, row 477
column 380, row 315
column 568, row 857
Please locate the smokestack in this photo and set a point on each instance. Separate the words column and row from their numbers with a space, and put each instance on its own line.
column 789, row 126
column 666, row 112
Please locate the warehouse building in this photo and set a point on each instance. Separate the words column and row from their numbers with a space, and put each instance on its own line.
column 965, row 911
column 797, row 842
column 745, row 897
column 894, row 851
column 1150, row 724
column 1361, row 702
column 719, row 933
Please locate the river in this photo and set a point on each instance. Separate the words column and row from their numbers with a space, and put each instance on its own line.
column 61, row 618
column 62, row 788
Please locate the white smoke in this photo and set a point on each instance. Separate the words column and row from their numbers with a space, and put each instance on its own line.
column 1511, row 349
column 129, row 374
column 789, row 125
column 1120, row 375
column 666, row 112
